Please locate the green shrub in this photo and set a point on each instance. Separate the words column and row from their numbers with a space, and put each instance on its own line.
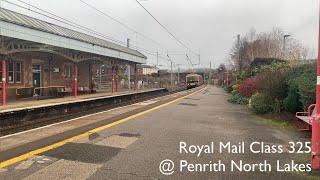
column 273, row 84
column 234, row 89
column 291, row 103
column 304, row 78
column 272, row 67
column 243, row 75
column 261, row 103
column 229, row 88
column 239, row 99
column 306, row 84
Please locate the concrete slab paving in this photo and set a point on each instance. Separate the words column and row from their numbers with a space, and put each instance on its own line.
column 3, row 170
column 83, row 152
column 65, row 170
column 155, row 136
column 11, row 141
column 117, row 141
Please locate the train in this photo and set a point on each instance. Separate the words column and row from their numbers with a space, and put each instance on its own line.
column 193, row 80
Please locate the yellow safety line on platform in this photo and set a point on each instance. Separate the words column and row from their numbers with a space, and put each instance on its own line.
column 61, row 143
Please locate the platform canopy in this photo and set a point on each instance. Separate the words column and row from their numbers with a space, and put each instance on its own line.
column 21, row 33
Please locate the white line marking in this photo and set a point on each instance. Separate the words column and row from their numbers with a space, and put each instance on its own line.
column 24, row 165
column 318, row 80
column 2, row 170
column 22, row 132
column 147, row 103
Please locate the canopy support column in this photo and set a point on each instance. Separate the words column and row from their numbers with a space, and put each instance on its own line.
column 117, row 78
column 75, row 79
column 135, row 76
column 4, row 88
column 112, row 79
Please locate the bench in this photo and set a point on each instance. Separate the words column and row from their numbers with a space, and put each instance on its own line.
column 307, row 116
column 24, row 91
column 65, row 91
column 50, row 91
column 84, row 90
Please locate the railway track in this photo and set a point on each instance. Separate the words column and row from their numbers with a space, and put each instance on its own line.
column 26, row 120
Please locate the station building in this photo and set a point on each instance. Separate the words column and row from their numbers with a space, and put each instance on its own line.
column 39, row 58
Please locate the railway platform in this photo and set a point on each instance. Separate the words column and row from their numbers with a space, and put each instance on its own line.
column 33, row 103
column 25, row 141
column 33, row 114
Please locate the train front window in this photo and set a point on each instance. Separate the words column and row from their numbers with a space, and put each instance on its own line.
column 192, row 79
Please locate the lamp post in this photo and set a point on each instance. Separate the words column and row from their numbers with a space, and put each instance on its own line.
column 113, row 76
column 75, row 81
column 178, row 76
column 236, row 64
column 179, row 73
column 171, row 77
column 204, row 76
column 100, row 74
column 210, row 74
column 117, row 78
column 227, row 81
column 159, row 75
column 128, row 73
column 238, row 57
column 284, row 45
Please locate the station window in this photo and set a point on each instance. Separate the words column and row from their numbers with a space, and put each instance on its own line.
column 10, row 73
column 36, row 68
column 18, row 72
column 67, row 71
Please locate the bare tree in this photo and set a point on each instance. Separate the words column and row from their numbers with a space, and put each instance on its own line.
column 268, row 45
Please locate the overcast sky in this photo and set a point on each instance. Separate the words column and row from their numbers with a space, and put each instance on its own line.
column 208, row 25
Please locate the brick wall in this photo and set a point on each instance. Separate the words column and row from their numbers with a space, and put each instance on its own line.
column 48, row 77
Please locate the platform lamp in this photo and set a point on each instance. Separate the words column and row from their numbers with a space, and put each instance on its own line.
column 284, row 45
column 233, row 55
column 159, row 75
column 179, row 73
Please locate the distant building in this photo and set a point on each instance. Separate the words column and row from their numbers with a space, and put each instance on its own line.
column 146, row 69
